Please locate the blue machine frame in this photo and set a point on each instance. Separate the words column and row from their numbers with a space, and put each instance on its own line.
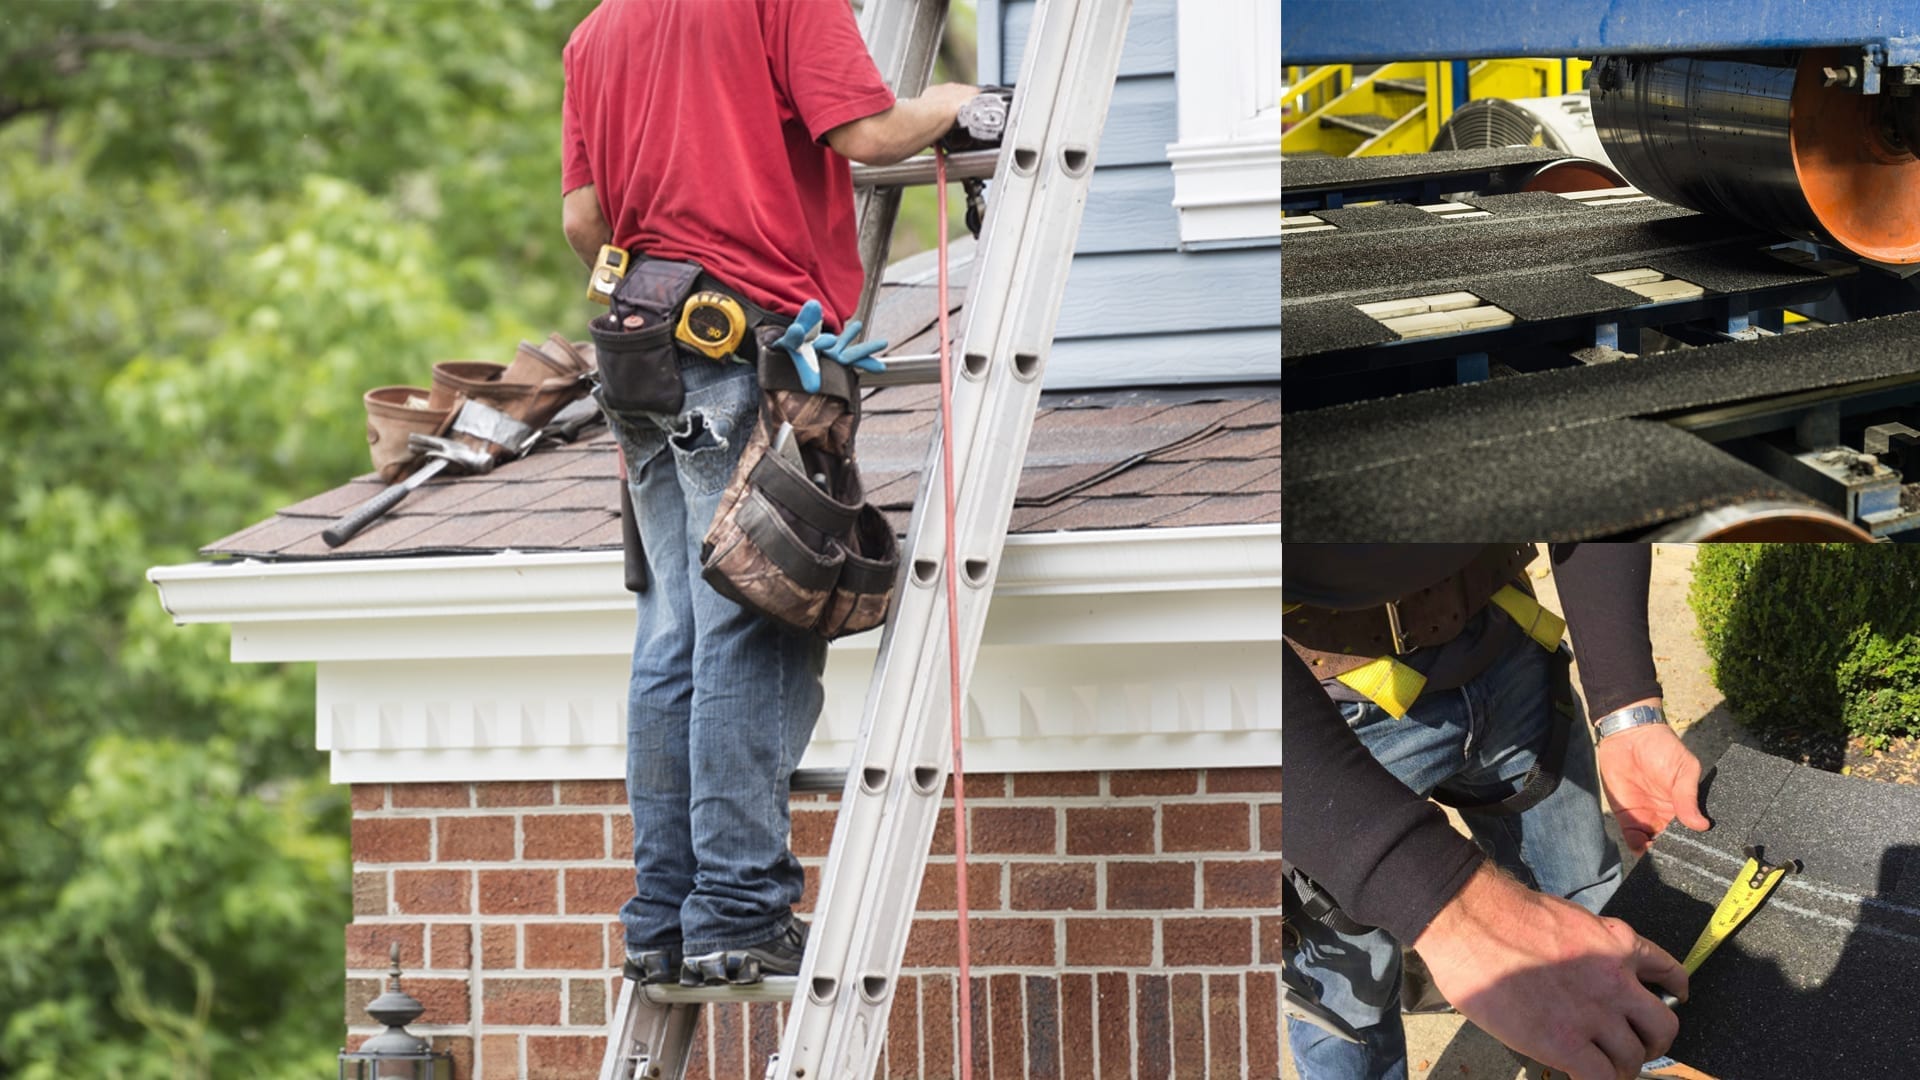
column 1380, row 31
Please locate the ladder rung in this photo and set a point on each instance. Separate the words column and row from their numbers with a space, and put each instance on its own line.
column 771, row 988
column 816, row 781
column 911, row 369
column 972, row 165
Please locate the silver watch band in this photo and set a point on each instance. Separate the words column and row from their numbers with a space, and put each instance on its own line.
column 1620, row 720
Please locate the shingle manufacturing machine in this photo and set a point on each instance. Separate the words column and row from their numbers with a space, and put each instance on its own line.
column 1744, row 300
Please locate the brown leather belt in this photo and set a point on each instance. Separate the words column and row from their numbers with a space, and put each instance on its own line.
column 1336, row 642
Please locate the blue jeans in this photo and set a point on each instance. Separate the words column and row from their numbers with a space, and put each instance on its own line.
column 722, row 702
column 1477, row 741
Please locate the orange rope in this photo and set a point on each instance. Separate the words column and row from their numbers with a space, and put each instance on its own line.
column 953, row 636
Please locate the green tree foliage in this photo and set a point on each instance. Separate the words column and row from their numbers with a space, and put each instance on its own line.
column 220, row 222
column 1814, row 638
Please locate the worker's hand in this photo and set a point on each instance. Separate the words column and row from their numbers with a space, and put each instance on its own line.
column 840, row 349
column 1650, row 778
column 1552, row 980
column 798, row 340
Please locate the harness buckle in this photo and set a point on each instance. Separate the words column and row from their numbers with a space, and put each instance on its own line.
column 1400, row 646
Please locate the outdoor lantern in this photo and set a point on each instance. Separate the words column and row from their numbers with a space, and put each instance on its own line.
column 394, row 1053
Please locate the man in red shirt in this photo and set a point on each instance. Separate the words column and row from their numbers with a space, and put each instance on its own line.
column 719, row 133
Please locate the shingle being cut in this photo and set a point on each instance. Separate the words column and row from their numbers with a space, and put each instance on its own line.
column 1820, row 981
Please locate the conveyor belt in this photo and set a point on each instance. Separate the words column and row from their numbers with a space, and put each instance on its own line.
column 1529, row 456
column 1535, row 258
column 1820, row 981
column 1449, row 170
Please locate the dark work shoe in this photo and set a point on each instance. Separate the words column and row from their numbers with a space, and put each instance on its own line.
column 778, row 955
column 652, row 967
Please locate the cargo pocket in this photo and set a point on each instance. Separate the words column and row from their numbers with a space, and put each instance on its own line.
column 756, row 559
column 865, row 590
column 639, row 368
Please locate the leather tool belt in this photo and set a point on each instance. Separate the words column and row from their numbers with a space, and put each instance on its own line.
column 1335, row 642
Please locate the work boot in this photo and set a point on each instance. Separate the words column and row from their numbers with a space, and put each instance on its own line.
column 652, row 967
column 778, row 955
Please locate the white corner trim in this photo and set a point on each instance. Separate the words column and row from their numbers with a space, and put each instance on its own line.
column 1226, row 190
column 1226, row 164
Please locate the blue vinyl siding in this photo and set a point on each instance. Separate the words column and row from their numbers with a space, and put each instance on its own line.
column 1138, row 309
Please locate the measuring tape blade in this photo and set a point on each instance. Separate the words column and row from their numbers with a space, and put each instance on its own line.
column 1756, row 880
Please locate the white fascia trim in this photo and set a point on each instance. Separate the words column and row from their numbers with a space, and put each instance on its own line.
column 1226, row 190
column 548, row 583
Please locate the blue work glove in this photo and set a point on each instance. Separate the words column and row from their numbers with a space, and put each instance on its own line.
column 798, row 340
column 837, row 348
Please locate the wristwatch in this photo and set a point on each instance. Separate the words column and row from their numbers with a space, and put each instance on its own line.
column 1635, row 716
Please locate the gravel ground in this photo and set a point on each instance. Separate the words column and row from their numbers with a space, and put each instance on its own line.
column 1446, row 1047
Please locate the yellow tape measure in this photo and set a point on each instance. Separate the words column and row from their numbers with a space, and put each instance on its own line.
column 1756, row 880
column 713, row 323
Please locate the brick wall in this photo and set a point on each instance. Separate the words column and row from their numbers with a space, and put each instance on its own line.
column 1125, row 925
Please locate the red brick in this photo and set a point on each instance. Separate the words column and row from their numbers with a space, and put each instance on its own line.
column 519, row 892
column 572, row 946
column 1137, row 886
column 981, row 1044
column 1242, row 884
column 1076, row 1027
column 431, row 796
column 367, row 944
column 1263, row 1026
column 616, row 942
column 1155, row 782
column 1110, row 830
column 1052, row 785
column 623, row 837
column 593, row 793
column 1043, row 1028
column 433, row 892
column 1054, row 886
column 461, row 1047
column 809, row 890
column 1189, row 1008
column 385, row 840
column 450, row 945
column 1204, row 827
column 940, row 1030
column 1206, row 942
column 991, row 785
column 729, row 1041
column 587, row 1002
column 598, row 890
column 444, row 1000
column 564, row 836
column 1270, row 827
column 476, row 839
column 942, row 842
column 360, row 992
column 1224, row 1007
column 812, row 832
column 500, row 1057
column 1265, row 779
column 1114, row 1002
column 937, row 891
column 514, row 793
column 1008, row 1023
column 1154, row 1022
column 763, row 1033
column 564, row 1057
column 1270, row 940
column 1109, row 943
column 903, row 1032
column 369, row 797
column 516, row 1002
column 1013, row 830
column 370, row 892
column 499, row 946
column 934, row 943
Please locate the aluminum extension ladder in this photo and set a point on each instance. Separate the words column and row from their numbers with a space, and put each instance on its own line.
column 890, row 797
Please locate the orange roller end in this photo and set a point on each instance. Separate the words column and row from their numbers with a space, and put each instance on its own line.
column 1862, row 187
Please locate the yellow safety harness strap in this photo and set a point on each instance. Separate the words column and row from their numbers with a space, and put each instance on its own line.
column 1543, row 626
column 1387, row 683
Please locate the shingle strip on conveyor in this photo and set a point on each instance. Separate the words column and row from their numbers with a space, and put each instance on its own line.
column 1527, row 202
column 1819, row 982
column 1415, row 428
column 1588, row 482
column 1354, row 219
column 1555, row 294
column 1343, row 173
column 1331, row 320
column 1731, row 270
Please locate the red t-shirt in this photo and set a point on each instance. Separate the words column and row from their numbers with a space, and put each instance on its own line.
column 698, row 123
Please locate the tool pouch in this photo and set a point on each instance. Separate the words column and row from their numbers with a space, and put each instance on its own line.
column 393, row 413
column 798, row 542
column 640, row 366
column 498, row 407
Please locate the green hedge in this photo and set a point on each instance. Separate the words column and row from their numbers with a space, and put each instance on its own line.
column 1814, row 637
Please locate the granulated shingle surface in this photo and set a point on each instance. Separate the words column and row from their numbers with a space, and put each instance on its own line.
column 1332, row 173
column 1588, row 482
column 1820, row 981
column 1357, row 219
column 1346, row 439
column 1313, row 328
column 1527, row 202
column 1554, row 294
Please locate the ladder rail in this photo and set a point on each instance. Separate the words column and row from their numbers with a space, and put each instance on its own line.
column 838, row 1024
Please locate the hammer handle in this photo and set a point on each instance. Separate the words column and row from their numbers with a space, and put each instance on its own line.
column 373, row 509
